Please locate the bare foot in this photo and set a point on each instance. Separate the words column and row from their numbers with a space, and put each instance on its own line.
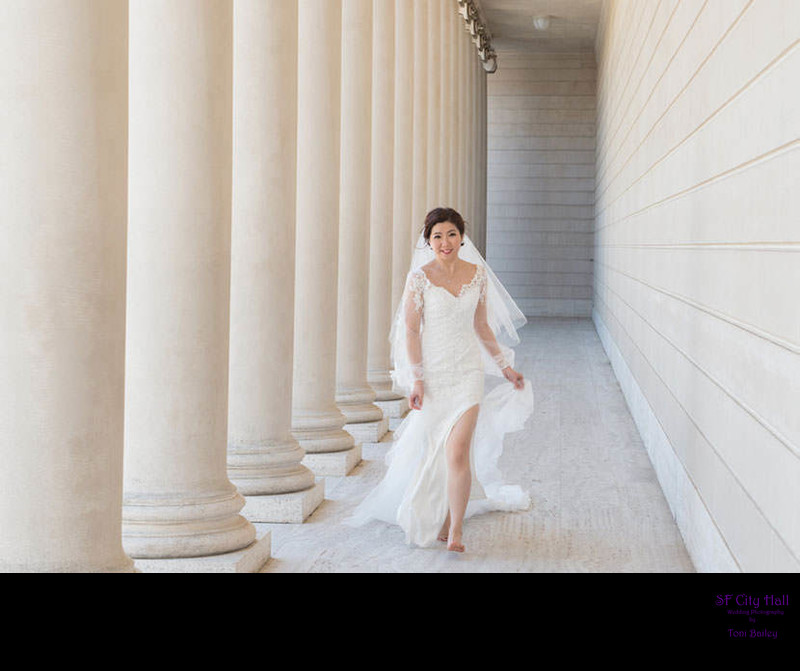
column 454, row 543
column 444, row 532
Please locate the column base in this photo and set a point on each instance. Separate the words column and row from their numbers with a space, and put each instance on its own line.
column 250, row 559
column 380, row 381
column 394, row 408
column 395, row 411
column 377, row 451
column 333, row 463
column 288, row 508
column 368, row 432
column 265, row 470
column 357, row 406
column 394, row 422
column 187, row 526
column 318, row 432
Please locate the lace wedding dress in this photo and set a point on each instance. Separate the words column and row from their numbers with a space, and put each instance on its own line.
column 458, row 347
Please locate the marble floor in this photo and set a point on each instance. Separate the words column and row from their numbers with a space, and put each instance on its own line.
column 597, row 504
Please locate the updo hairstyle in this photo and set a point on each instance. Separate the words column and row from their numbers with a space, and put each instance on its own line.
column 439, row 215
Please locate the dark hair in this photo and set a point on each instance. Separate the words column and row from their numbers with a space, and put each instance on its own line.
column 439, row 215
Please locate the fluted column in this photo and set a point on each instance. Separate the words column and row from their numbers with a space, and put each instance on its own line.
column 466, row 54
column 480, row 75
column 471, row 170
column 471, row 125
column 62, row 298
column 178, row 501
column 455, row 157
column 446, row 9
column 482, row 158
column 460, row 39
column 405, row 176
column 264, row 459
column 476, row 139
column 316, row 420
column 381, row 210
column 434, row 99
column 354, row 396
column 420, row 117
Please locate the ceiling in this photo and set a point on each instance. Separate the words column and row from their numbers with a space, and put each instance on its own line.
column 573, row 25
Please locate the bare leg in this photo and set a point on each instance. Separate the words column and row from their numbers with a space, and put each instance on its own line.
column 459, row 476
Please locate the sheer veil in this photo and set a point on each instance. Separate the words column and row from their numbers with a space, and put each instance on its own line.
column 503, row 315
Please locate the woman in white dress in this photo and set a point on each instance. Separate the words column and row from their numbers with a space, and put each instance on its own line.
column 446, row 338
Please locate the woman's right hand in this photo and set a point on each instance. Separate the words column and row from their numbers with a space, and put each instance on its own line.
column 415, row 399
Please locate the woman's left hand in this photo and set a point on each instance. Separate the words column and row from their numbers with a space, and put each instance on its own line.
column 513, row 376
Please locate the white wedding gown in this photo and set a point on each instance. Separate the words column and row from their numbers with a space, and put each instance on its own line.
column 413, row 492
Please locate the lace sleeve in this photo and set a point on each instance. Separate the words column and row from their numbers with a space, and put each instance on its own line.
column 413, row 303
column 483, row 283
column 413, row 296
column 482, row 327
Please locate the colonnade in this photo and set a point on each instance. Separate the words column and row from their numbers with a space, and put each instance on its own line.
column 209, row 208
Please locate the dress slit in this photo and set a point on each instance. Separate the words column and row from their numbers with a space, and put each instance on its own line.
column 425, row 506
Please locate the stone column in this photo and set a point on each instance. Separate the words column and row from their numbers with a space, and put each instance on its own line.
column 354, row 396
column 406, row 176
column 480, row 75
column 482, row 158
column 404, row 144
column 420, row 116
column 63, row 174
column 434, row 99
column 460, row 98
column 466, row 65
column 477, row 148
column 447, row 9
column 381, row 210
column 178, row 500
column 316, row 420
column 471, row 126
column 458, row 35
column 472, row 121
column 264, row 459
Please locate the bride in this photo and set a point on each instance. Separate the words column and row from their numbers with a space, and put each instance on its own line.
column 454, row 326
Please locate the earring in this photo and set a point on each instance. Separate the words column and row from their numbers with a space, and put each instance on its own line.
column 462, row 244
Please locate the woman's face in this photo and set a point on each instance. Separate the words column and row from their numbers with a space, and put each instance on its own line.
column 445, row 241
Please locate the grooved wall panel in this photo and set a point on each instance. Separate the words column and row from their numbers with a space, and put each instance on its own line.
column 697, row 261
column 540, row 184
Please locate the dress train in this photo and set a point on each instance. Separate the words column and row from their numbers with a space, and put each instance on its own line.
column 413, row 492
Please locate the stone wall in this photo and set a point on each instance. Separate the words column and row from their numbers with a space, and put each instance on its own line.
column 541, row 128
column 696, row 264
